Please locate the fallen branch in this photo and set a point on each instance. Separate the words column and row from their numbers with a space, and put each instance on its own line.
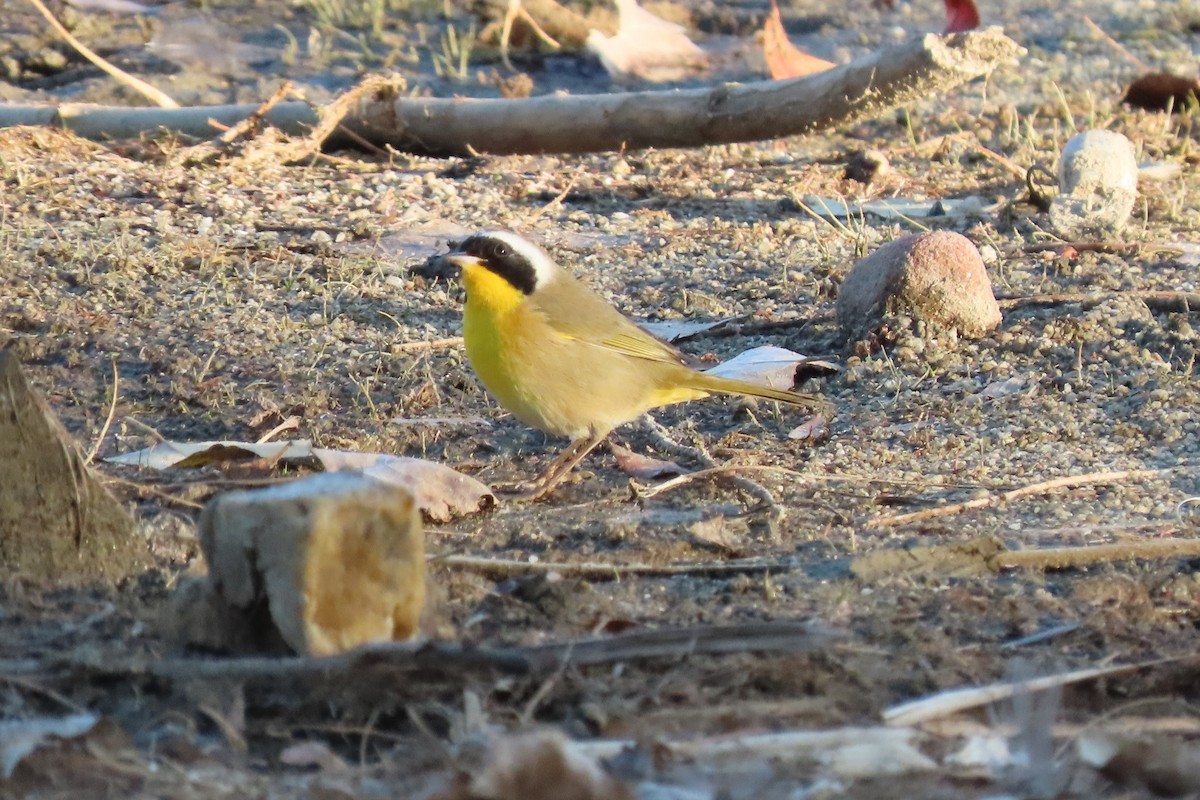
column 597, row 571
column 1042, row 487
column 445, row 660
column 867, row 87
column 1155, row 299
column 1067, row 557
column 986, row 555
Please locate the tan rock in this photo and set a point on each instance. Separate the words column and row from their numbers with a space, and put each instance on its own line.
column 937, row 277
column 337, row 559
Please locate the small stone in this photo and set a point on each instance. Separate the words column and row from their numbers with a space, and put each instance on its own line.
column 516, row 86
column 1097, row 183
column 866, row 166
column 937, row 278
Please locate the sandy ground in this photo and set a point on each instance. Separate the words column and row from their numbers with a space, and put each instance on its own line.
column 232, row 298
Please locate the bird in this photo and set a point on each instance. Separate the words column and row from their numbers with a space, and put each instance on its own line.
column 561, row 358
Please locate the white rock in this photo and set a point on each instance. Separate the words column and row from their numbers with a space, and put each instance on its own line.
column 1097, row 182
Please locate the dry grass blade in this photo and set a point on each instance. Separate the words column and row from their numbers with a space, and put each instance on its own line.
column 112, row 410
column 159, row 98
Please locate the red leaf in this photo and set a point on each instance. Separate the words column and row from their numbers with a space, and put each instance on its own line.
column 961, row 15
column 783, row 59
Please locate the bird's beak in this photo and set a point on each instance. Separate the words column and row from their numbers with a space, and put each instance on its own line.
column 461, row 260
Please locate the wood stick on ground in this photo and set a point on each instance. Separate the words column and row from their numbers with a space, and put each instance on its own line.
column 868, row 87
column 432, row 344
column 1120, row 48
column 599, row 571
column 1155, row 299
column 449, row 660
column 112, row 410
column 725, row 470
column 1048, row 558
column 1041, row 487
column 154, row 95
column 943, row 704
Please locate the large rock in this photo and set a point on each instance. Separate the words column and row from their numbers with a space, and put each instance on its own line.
column 56, row 520
column 937, row 277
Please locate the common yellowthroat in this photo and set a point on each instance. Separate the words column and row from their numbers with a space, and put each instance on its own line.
column 563, row 360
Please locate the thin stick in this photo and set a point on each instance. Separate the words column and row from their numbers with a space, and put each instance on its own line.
column 1066, row 557
column 154, row 95
column 151, row 489
column 537, row 29
column 433, row 344
column 597, row 571
column 1042, row 487
column 289, row 424
column 951, row 702
column 965, row 139
column 112, row 410
column 1120, row 48
column 700, row 474
column 36, row 688
column 1157, row 300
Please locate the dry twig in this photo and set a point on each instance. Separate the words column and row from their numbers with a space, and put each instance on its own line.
column 159, row 98
column 599, row 571
column 112, row 410
column 1067, row 557
column 1155, row 299
column 943, row 704
column 1041, row 487
column 1120, row 48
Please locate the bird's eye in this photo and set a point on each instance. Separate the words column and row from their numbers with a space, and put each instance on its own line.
column 501, row 251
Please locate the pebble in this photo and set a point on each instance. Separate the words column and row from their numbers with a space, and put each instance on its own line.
column 936, row 278
column 1097, row 185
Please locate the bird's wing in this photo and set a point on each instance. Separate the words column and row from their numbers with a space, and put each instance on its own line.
column 576, row 312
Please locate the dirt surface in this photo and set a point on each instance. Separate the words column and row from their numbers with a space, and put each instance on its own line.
column 232, row 297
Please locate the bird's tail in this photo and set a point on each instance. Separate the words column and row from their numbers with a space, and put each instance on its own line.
column 718, row 385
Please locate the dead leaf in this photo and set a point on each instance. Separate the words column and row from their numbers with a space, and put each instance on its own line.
column 543, row 765
column 167, row 454
column 675, row 330
column 719, row 532
column 767, row 366
column 814, row 428
column 113, row 6
column 20, row 737
column 313, row 754
column 1005, row 388
column 961, row 15
column 639, row 466
column 1160, row 91
column 441, row 492
column 784, row 59
column 646, row 47
column 1167, row 767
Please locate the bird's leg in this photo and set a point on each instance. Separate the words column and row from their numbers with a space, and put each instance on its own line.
column 561, row 466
